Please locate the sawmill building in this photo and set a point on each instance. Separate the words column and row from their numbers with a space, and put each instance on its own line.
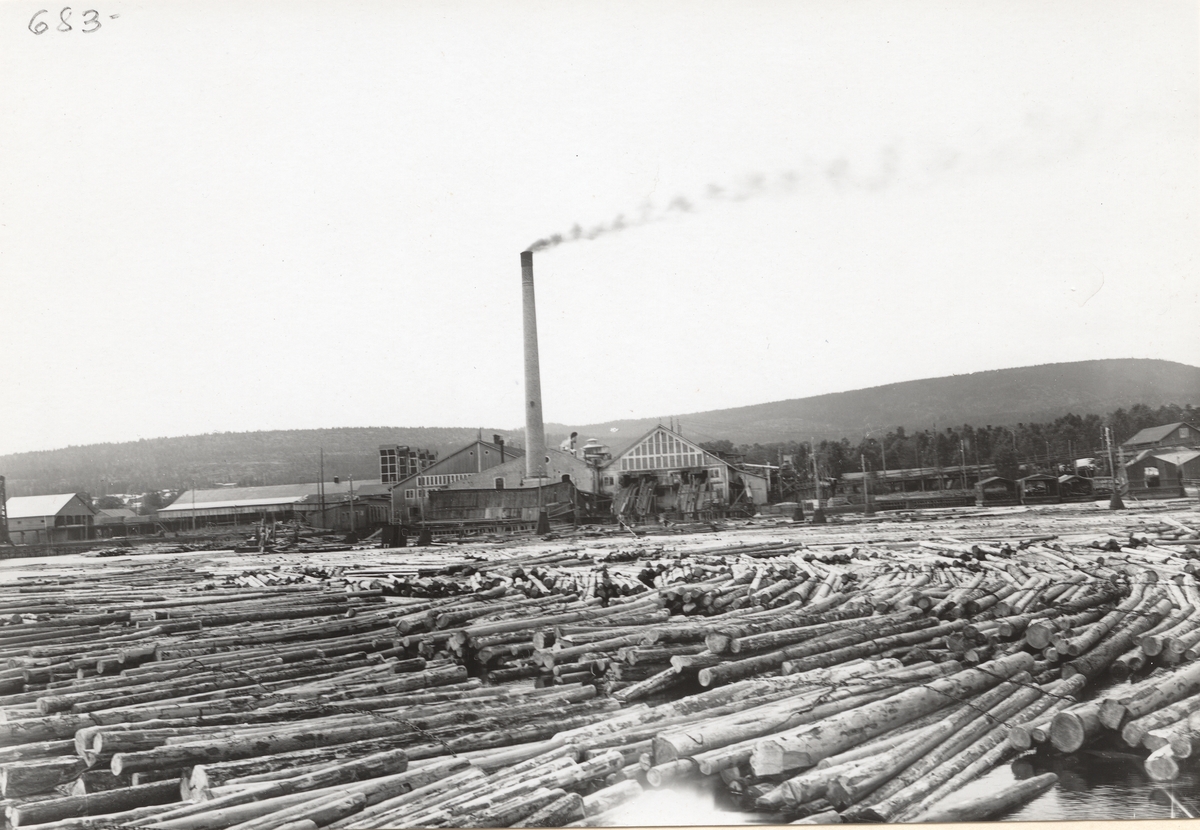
column 663, row 472
column 63, row 517
column 1166, row 460
column 410, row 496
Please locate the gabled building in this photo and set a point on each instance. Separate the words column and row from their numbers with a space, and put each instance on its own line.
column 121, row 521
column 1163, row 473
column 1166, row 459
column 235, row 505
column 1178, row 434
column 410, row 496
column 63, row 517
column 664, row 472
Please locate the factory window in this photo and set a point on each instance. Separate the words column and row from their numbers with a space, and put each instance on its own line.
column 410, row 494
column 1183, row 432
column 499, row 483
column 716, row 473
column 608, row 480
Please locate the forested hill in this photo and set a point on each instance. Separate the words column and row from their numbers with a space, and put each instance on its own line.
column 244, row 458
column 1000, row 398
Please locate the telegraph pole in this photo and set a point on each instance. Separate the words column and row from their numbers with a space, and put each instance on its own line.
column 4, row 540
column 1115, row 502
column 868, row 507
column 818, row 513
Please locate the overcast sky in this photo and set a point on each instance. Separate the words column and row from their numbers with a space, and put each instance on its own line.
column 231, row 216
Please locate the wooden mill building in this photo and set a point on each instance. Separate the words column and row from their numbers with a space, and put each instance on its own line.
column 62, row 517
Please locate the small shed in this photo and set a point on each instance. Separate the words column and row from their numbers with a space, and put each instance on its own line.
column 121, row 521
column 1076, row 488
column 1039, row 488
column 995, row 491
column 1162, row 474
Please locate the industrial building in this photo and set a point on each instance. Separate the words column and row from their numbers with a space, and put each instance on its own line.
column 398, row 462
column 410, row 495
column 320, row 505
column 1166, row 460
column 663, row 472
column 121, row 521
column 63, row 517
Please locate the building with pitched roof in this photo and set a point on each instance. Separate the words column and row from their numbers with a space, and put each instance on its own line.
column 62, row 517
column 663, row 472
column 321, row 505
column 1178, row 434
column 410, row 496
column 1166, row 459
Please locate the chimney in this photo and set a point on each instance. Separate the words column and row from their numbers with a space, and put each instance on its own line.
column 535, row 434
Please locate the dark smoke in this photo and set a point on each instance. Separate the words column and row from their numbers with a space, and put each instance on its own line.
column 839, row 173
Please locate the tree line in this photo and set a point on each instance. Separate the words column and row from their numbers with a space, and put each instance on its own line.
column 1012, row 450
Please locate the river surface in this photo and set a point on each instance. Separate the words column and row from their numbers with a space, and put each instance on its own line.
column 1092, row 785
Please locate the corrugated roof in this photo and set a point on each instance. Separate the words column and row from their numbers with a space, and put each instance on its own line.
column 1152, row 435
column 181, row 506
column 28, row 507
column 1179, row 457
column 266, row 495
column 117, row 513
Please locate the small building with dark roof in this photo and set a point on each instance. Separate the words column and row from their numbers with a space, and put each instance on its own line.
column 1076, row 487
column 1178, row 434
column 121, row 521
column 996, row 491
column 1038, row 488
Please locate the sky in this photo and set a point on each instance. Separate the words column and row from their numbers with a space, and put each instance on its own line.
column 252, row 215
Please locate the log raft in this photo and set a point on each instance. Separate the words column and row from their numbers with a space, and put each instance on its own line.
column 549, row 686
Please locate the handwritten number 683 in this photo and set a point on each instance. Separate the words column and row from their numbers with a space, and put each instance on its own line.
column 91, row 18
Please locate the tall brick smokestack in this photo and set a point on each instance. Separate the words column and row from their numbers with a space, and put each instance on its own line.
column 535, row 433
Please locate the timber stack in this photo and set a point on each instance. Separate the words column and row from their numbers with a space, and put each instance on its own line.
column 831, row 675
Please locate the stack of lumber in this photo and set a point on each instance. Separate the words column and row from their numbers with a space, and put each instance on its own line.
column 823, row 679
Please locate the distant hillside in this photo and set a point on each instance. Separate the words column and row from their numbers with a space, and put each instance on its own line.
column 997, row 398
column 244, row 458
column 1000, row 397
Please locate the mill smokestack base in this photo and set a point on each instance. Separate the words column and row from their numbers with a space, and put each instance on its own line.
column 535, row 434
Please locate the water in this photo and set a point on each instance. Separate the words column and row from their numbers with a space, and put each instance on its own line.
column 1092, row 785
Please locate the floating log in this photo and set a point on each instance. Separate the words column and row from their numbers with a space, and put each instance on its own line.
column 806, row 747
column 993, row 805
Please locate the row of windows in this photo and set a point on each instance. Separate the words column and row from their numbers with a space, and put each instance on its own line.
column 714, row 474
column 441, row 480
column 660, row 444
column 660, row 462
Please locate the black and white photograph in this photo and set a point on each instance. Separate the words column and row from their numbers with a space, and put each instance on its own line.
column 598, row 414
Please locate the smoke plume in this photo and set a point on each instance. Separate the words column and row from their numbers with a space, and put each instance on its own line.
column 1005, row 147
column 837, row 173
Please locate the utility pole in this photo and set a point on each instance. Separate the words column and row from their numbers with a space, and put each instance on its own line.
column 4, row 540
column 818, row 513
column 868, row 507
column 321, row 488
column 1115, row 502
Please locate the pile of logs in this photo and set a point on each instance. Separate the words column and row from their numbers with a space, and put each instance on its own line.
column 817, row 680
